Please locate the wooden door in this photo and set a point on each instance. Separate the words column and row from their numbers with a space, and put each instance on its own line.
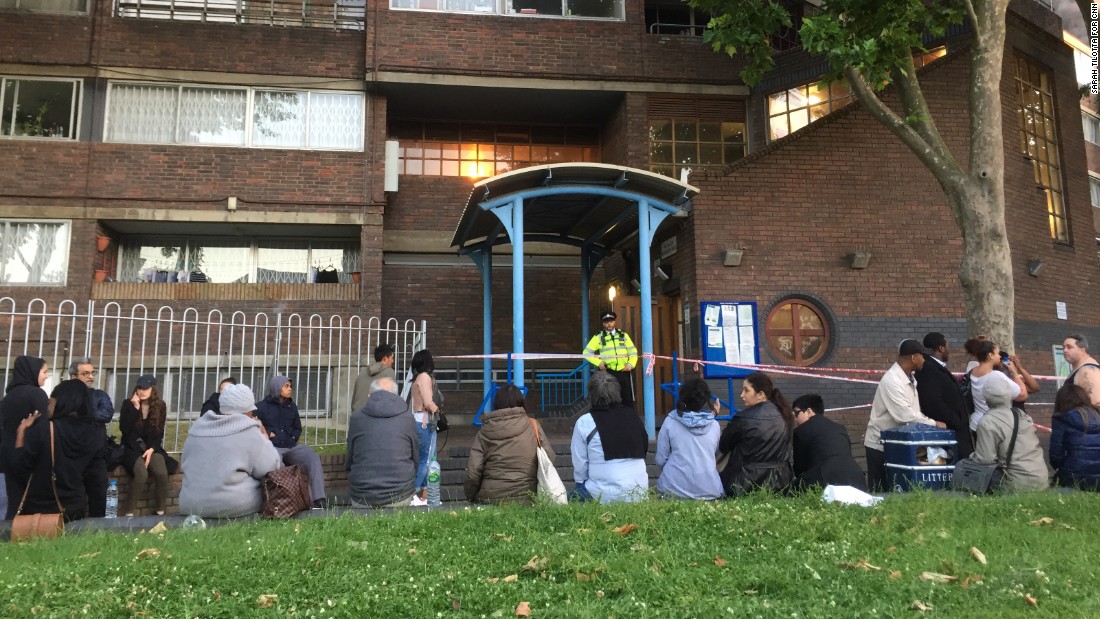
column 665, row 342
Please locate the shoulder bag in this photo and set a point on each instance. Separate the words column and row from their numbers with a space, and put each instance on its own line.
column 285, row 492
column 982, row 478
column 550, row 484
column 31, row 526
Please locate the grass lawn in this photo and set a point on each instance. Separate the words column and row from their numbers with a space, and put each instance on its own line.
column 758, row 557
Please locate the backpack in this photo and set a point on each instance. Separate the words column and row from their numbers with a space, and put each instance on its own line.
column 966, row 387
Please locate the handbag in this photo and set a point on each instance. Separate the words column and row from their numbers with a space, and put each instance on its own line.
column 978, row 478
column 550, row 484
column 285, row 492
column 441, row 424
column 31, row 526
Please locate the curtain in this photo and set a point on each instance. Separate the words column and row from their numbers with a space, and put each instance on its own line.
column 33, row 252
column 279, row 119
column 336, row 121
column 212, row 116
column 141, row 113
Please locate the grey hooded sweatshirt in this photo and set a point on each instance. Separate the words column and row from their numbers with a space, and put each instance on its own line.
column 223, row 460
column 686, row 447
column 383, row 451
column 1027, row 469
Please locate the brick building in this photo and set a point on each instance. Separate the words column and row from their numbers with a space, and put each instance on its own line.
column 245, row 144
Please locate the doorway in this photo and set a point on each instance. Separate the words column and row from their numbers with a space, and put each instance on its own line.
column 666, row 333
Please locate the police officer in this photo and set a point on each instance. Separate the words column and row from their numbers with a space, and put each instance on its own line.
column 612, row 350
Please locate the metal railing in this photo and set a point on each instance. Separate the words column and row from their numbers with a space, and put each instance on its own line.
column 335, row 14
column 561, row 390
column 191, row 353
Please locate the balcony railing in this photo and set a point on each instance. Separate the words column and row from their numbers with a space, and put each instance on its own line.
column 335, row 14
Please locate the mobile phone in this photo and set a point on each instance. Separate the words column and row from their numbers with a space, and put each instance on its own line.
column 1004, row 356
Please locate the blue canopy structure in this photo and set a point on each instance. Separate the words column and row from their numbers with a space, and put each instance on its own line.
column 598, row 208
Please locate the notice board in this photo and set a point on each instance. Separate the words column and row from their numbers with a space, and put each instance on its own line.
column 729, row 332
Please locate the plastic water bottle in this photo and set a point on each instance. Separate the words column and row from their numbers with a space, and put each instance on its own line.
column 433, row 484
column 112, row 500
column 193, row 522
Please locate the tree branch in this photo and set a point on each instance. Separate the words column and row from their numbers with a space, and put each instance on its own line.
column 916, row 108
column 973, row 14
column 945, row 169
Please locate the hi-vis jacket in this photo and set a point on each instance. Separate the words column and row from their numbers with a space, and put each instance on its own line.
column 614, row 349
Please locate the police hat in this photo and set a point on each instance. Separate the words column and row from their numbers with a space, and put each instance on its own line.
column 608, row 315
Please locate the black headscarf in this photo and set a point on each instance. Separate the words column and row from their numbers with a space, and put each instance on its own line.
column 621, row 432
column 25, row 372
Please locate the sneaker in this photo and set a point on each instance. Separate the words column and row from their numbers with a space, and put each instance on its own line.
column 320, row 503
column 417, row 502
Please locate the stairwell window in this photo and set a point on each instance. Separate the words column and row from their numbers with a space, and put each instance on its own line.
column 792, row 109
column 677, row 143
column 234, row 116
column 1039, row 141
column 39, row 107
column 34, row 252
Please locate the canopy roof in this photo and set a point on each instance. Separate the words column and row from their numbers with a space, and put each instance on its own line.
column 602, row 210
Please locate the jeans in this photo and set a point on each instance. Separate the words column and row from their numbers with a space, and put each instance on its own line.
column 3, row 496
column 427, row 448
column 876, row 471
column 580, row 494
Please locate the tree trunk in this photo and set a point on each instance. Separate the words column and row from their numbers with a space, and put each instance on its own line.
column 986, row 269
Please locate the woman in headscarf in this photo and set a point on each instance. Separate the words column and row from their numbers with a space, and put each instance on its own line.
column 55, row 453
column 22, row 398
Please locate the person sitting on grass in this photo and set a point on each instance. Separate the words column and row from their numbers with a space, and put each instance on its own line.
column 758, row 440
column 1075, row 439
column 609, row 446
column 503, row 462
column 822, row 448
column 1027, row 469
column 686, row 446
column 383, row 449
column 225, row 457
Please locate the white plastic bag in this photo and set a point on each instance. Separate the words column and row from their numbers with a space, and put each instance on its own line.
column 848, row 495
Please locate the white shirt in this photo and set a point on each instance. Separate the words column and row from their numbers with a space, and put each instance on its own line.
column 896, row 403
column 622, row 480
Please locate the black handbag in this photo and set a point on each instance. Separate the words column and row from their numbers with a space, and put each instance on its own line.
column 982, row 478
column 441, row 424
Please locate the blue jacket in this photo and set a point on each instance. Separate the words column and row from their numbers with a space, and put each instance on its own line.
column 1075, row 448
column 280, row 416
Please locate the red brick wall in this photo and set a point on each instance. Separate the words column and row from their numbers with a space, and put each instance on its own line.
column 42, row 38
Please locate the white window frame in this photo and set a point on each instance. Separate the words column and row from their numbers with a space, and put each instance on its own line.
column 74, row 105
column 505, row 8
column 250, row 109
column 1094, row 189
column 1089, row 117
column 66, row 224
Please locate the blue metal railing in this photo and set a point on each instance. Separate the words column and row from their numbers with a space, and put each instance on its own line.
column 560, row 390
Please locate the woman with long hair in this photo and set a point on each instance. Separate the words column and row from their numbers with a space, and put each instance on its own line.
column 24, row 396
column 1075, row 439
column 503, row 463
column 54, row 451
column 990, row 368
column 758, row 439
column 142, row 420
column 425, row 405
column 686, row 446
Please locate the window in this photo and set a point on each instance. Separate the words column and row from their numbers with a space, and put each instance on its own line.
column 227, row 116
column 479, row 151
column 1039, row 142
column 676, row 143
column 922, row 59
column 34, row 252
column 40, row 108
column 264, row 260
column 793, row 109
column 797, row 332
column 48, row 6
column 599, row 9
column 1092, row 127
column 1094, row 191
column 338, row 14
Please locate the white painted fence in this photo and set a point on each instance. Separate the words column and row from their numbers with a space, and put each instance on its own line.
column 190, row 353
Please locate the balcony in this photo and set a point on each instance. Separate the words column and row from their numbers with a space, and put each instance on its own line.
column 330, row 14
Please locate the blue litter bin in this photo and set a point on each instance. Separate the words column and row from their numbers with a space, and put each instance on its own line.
column 906, row 449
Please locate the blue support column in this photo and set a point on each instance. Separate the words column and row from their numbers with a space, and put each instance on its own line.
column 648, row 221
column 516, row 235
column 483, row 258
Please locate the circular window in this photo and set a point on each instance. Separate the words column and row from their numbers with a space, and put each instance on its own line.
column 797, row 332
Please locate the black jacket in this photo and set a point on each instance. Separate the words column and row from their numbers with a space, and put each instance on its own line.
column 941, row 399
column 23, row 397
column 823, row 455
column 759, row 444
column 76, row 443
column 136, row 439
